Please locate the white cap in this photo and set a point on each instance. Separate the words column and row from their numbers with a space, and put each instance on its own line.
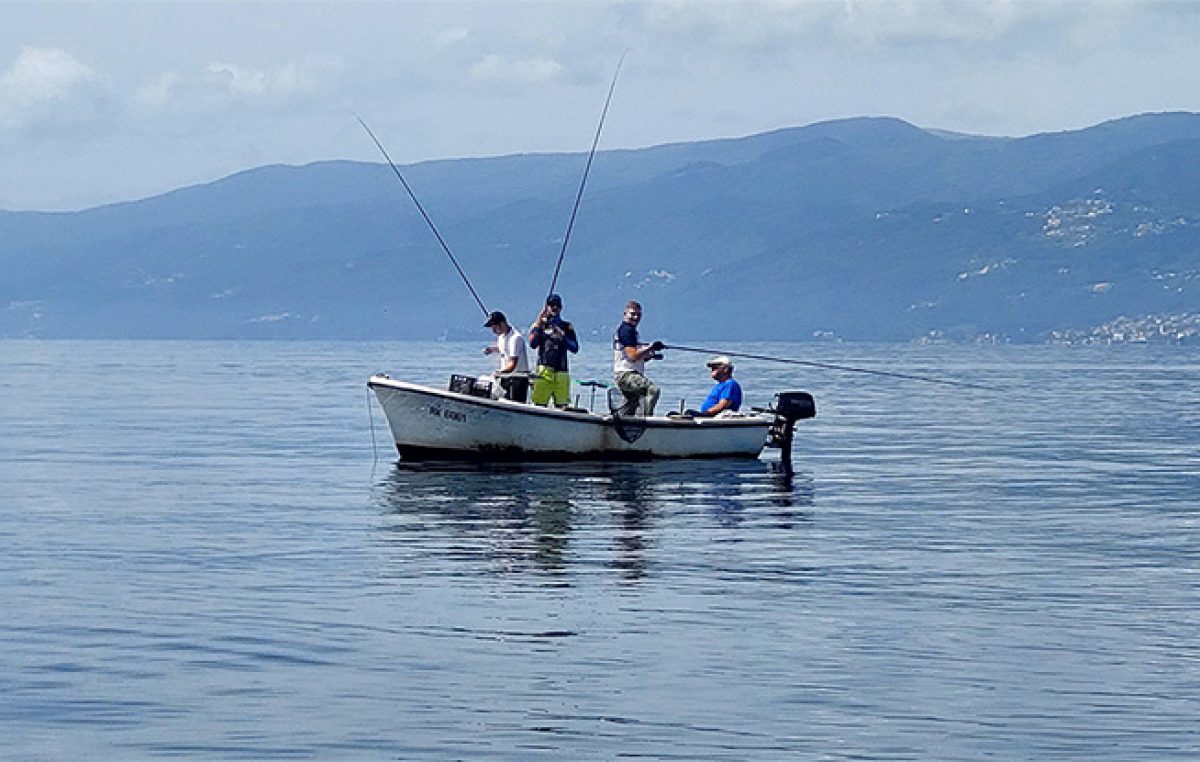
column 719, row 360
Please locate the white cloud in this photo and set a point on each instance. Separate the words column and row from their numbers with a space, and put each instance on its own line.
column 740, row 24
column 208, row 97
column 157, row 92
column 766, row 25
column 495, row 68
column 48, row 85
column 932, row 20
column 217, row 85
column 241, row 80
column 42, row 74
column 450, row 37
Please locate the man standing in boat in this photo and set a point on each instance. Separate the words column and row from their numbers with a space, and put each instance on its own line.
column 552, row 337
column 629, row 363
column 514, row 360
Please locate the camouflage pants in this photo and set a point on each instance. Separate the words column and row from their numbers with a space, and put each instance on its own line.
column 637, row 389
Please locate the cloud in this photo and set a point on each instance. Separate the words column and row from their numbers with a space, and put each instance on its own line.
column 918, row 21
column 48, row 86
column 739, row 24
column 44, row 74
column 222, row 84
column 750, row 26
column 157, row 92
column 493, row 68
column 451, row 37
column 243, row 81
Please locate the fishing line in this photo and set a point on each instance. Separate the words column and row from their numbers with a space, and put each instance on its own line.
column 374, row 446
column 583, row 182
column 830, row 366
column 421, row 209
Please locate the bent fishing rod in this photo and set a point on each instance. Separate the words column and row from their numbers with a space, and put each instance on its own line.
column 583, row 182
column 829, row 366
column 421, row 209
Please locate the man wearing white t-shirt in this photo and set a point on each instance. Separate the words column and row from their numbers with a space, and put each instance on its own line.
column 514, row 357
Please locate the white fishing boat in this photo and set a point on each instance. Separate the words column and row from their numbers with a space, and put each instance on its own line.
column 465, row 422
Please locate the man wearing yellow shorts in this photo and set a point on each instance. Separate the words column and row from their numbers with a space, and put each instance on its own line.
column 553, row 338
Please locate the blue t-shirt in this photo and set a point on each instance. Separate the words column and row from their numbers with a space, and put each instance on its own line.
column 627, row 336
column 728, row 389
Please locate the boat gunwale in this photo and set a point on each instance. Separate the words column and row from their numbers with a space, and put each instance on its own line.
column 755, row 420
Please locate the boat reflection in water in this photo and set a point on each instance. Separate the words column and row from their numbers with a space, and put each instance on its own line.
column 579, row 518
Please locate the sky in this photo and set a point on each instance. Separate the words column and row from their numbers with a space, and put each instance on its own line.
column 109, row 101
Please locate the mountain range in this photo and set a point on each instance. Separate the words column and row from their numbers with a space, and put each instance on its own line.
column 856, row 229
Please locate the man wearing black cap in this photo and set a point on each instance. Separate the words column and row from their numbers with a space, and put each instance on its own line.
column 514, row 360
column 552, row 337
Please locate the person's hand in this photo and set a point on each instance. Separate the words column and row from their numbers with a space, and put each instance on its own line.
column 490, row 350
column 657, row 346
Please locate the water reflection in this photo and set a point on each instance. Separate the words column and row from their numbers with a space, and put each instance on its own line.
column 565, row 519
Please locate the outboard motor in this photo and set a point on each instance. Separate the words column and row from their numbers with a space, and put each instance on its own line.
column 788, row 408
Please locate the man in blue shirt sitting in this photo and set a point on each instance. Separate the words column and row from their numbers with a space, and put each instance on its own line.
column 727, row 394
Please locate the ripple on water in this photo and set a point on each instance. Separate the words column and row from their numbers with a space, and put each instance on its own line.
column 203, row 569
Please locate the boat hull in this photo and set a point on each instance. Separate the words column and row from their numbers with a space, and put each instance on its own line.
column 429, row 423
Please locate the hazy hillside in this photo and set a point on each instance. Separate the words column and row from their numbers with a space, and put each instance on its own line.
column 855, row 229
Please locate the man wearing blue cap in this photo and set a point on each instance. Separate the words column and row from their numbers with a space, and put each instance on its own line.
column 552, row 337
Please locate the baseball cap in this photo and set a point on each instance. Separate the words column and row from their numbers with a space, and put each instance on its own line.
column 496, row 318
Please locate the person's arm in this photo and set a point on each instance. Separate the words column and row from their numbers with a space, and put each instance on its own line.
column 509, row 366
column 627, row 340
column 537, row 330
column 643, row 351
column 570, row 340
column 722, row 404
column 536, row 336
column 724, row 400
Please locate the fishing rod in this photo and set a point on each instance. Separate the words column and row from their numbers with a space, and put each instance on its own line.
column 421, row 209
column 583, row 182
column 830, row 366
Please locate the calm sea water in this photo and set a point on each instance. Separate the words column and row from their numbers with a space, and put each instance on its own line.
column 204, row 556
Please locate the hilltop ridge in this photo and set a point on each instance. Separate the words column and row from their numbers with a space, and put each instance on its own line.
column 867, row 228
